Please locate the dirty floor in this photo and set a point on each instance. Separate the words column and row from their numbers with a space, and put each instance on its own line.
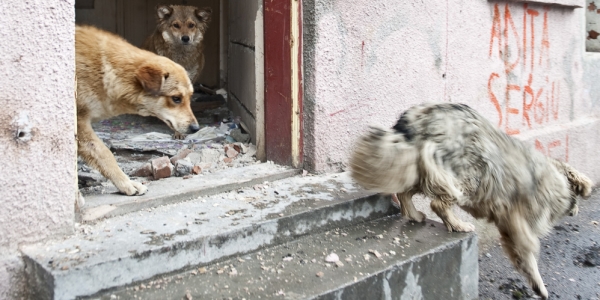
column 136, row 141
column 569, row 261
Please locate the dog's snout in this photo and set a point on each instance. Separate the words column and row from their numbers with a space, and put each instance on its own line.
column 194, row 128
column 185, row 38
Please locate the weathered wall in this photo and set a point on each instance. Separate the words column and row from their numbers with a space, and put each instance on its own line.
column 37, row 125
column 523, row 65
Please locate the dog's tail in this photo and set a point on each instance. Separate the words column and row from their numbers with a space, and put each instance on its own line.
column 580, row 184
column 383, row 161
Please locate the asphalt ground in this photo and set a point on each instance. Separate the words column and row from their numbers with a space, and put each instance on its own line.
column 569, row 261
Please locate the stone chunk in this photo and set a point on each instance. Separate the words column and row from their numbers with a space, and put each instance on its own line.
column 162, row 168
column 180, row 155
column 183, row 167
column 237, row 135
column 210, row 155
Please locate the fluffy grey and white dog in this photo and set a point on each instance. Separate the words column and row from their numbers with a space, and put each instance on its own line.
column 453, row 155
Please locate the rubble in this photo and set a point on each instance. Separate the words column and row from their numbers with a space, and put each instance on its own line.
column 196, row 170
column 144, row 171
column 207, row 156
column 138, row 144
column 332, row 258
column 183, row 167
column 375, row 252
column 92, row 178
column 161, row 168
column 180, row 155
column 230, row 152
column 237, row 135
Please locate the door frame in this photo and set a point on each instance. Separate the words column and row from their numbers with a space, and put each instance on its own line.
column 283, row 81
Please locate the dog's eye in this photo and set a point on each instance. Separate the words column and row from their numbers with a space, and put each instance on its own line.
column 191, row 25
column 176, row 26
column 176, row 99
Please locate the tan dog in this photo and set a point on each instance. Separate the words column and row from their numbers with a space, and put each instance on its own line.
column 179, row 36
column 114, row 78
column 454, row 155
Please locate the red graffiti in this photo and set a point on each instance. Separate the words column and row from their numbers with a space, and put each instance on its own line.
column 527, row 97
column 557, row 149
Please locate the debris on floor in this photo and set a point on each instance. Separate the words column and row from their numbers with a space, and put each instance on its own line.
column 144, row 148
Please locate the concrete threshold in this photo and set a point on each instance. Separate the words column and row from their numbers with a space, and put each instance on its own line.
column 175, row 189
column 138, row 246
column 388, row 258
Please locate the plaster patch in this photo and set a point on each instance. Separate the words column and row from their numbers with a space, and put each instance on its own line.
column 23, row 127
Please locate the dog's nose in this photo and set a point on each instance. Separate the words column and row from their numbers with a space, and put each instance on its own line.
column 194, row 128
column 185, row 38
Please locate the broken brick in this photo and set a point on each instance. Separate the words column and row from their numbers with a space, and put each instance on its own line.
column 143, row 171
column 231, row 153
column 196, row 170
column 162, row 168
column 180, row 155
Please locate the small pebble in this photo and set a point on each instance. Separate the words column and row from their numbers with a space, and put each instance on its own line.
column 332, row 258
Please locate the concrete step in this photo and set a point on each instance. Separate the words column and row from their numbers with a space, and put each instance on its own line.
column 138, row 246
column 176, row 189
column 388, row 258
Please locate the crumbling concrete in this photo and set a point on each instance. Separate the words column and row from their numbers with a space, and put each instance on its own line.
column 175, row 190
column 385, row 259
column 134, row 247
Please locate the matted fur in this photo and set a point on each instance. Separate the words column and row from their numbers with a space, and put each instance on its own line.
column 453, row 155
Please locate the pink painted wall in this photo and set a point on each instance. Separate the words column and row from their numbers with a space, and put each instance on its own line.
column 37, row 121
column 523, row 66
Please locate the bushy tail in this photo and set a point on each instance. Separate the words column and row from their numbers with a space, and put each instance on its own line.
column 384, row 162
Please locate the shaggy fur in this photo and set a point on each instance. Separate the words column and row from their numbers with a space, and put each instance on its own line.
column 453, row 155
column 179, row 36
column 114, row 78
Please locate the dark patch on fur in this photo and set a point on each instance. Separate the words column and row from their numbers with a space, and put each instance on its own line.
column 402, row 126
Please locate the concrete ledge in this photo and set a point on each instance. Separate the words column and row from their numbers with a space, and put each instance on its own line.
column 126, row 249
column 416, row 261
column 565, row 3
column 175, row 189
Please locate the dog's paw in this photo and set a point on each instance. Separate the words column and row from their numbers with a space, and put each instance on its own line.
column 461, row 227
column 541, row 291
column 574, row 211
column 133, row 188
column 178, row 136
column 418, row 217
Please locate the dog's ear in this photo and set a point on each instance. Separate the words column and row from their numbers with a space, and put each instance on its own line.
column 152, row 78
column 204, row 14
column 580, row 184
column 164, row 11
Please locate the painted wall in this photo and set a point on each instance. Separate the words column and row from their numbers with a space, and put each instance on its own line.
column 37, row 126
column 522, row 65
